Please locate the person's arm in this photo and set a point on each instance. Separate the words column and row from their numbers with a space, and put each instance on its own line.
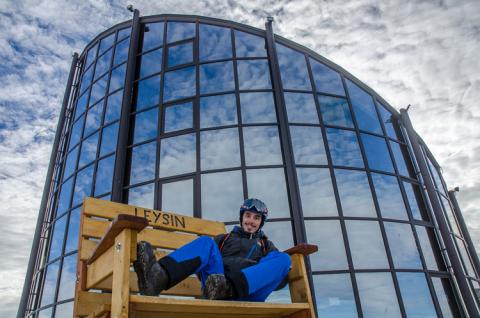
column 270, row 247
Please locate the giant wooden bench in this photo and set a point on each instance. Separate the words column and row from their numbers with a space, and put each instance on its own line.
column 107, row 286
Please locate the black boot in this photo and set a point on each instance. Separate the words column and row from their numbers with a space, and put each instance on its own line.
column 217, row 287
column 152, row 278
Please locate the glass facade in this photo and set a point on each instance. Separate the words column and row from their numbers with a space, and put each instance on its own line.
column 218, row 114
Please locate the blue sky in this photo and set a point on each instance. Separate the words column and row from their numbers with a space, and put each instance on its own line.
column 423, row 53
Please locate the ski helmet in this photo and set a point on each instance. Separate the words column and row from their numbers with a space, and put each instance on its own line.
column 254, row 205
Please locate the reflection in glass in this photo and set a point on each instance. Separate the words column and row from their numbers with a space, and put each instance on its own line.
column 105, row 43
column 117, row 79
column 121, row 51
column 177, row 31
column 92, row 53
column 67, row 279
column 449, row 212
column 57, row 238
column 76, row 133
column 179, row 84
column 89, row 150
column 280, row 233
column 177, row 197
column 222, row 195
column 83, row 185
column 86, row 80
column 249, row 45
column 441, row 285
column 389, row 197
column 152, row 35
column 177, row 155
column 73, row 230
column 366, row 245
column 145, row 125
column 308, row 145
column 94, row 119
column 427, row 242
column 64, row 197
column 215, row 43
column 148, row 92
column 326, row 79
column 103, row 64
column 45, row 313
column 388, row 121
column 123, row 33
column 334, row 296
column 64, row 310
column 316, row 192
column 81, row 105
column 301, row 108
column 364, row 108
column 216, row 77
column 142, row 196
column 415, row 200
column 398, row 154
column 70, row 163
column 218, row 110
column 344, row 148
column 114, row 107
column 219, row 149
column 335, row 111
column 98, row 90
column 254, row 74
column 49, row 284
column 143, row 163
column 377, row 153
column 103, row 181
column 109, row 139
column 180, row 54
column 416, row 295
column 377, row 295
column 257, row 108
column 355, row 194
column 402, row 246
column 151, row 63
column 293, row 69
column 262, row 146
column 179, row 116
column 327, row 235
column 467, row 263
column 269, row 186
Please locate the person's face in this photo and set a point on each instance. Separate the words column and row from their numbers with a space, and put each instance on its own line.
column 251, row 221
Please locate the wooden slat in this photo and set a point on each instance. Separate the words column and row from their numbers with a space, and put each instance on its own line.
column 300, row 288
column 100, row 269
column 87, row 302
column 302, row 248
column 161, row 219
column 87, row 248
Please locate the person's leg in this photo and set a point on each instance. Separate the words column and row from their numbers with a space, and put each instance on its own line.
column 261, row 279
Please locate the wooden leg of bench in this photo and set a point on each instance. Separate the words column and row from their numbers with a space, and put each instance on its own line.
column 299, row 287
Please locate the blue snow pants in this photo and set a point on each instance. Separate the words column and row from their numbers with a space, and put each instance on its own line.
column 203, row 257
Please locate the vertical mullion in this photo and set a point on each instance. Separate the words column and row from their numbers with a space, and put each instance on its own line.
column 197, row 210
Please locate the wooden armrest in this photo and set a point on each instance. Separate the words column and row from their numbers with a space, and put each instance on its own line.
column 121, row 222
column 302, row 248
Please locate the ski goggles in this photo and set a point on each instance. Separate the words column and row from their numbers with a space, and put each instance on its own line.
column 254, row 205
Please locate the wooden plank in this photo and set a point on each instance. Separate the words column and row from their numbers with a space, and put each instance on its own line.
column 121, row 222
column 302, row 248
column 300, row 288
column 87, row 248
column 87, row 302
column 100, row 269
column 160, row 219
column 143, row 314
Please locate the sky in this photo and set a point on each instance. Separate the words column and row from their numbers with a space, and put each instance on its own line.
column 423, row 53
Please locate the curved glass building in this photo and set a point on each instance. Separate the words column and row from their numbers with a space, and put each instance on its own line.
column 193, row 114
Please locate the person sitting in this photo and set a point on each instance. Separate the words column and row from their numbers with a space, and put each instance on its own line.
column 241, row 265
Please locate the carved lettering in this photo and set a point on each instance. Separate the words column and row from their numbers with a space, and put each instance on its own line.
column 180, row 221
column 166, row 220
column 157, row 215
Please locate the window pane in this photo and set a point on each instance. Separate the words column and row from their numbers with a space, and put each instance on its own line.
column 86, row 80
column 117, row 79
column 177, row 31
column 377, row 295
column 49, row 284
column 249, row 45
column 254, row 74
column 301, row 108
column 400, row 153
column 366, row 245
column 219, row 149
column 269, row 186
column 222, row 195
column 389, row 121
column 45, row 313
column 103, row 181
column 94, row 119
column 73, row 230
column 151, row 63
column 109, row 139
column 179, row 84
column 103, row 64
column 218, row 110
column 215, row 43
column 316, row 192
column 145, row 125
column 377, row 153
column 142, row 196
column 83, row 185
column 143, row 163
column 364, row 109
column 335, row 111
column 152, row 36
column 178, row 197
column 428, row 243
column 92, row 53
column 216, row 77
column 121, row 51
column 262, row 146
column 389, row 197
column 415, row 200
column 98, row 90
column 344, row 148
column 326, row 79
column 76, row 133
column 467, row 263
column 177, row 155
column 416, row 295
column 257, row 108
column 81, row 105
column 446, row 303
column 402, row 246
column 328, row 236
column 106, row 43
column 355, row 194
column 124, row 33
column 280, row 233
column 148, row 92
column 179, row 116
column 70, row 163
column 180, row 54
column 293, row 69
column 57, row 238
column 89, row 150
column 334, row 296
column 64, row 310
column 114, row 107
column 67, row 280
column 64, row 197
column 308, row 145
